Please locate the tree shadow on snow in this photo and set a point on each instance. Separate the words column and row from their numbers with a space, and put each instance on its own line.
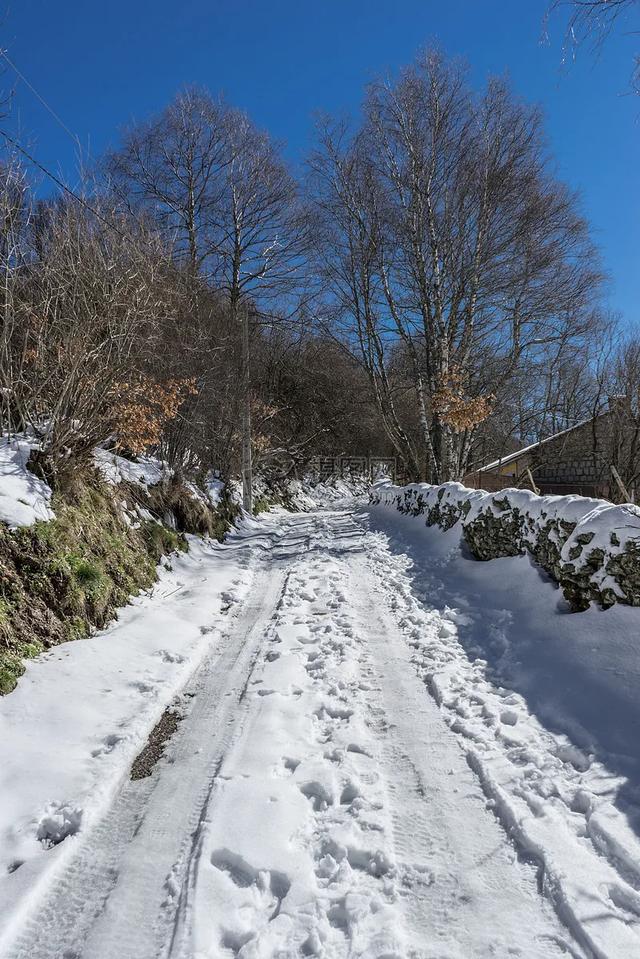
column 578, row 672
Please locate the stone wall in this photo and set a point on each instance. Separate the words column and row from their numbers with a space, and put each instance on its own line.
column 589, row 547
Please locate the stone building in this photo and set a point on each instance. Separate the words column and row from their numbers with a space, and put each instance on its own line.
column 577, row 460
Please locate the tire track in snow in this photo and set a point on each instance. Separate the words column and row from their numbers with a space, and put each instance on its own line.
column 312, row 801
column 464, row 890
column 335, row 831
column 338, row 897
column 550, row 797
column 117, row 895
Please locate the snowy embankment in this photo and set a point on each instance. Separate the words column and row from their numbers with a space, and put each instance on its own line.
column 83, row 711
column 309, row 494
column 148, row 471
column 23, row 497
column 545, row 702
column 589, row 546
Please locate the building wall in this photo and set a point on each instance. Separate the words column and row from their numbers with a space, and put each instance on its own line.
column 577, row 462
column 580, row 461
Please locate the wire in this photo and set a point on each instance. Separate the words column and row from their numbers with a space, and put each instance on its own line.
column 64, row 187
column 42, row 100
column 73, row 136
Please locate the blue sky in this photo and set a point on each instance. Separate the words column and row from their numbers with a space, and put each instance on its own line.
column 102, row 64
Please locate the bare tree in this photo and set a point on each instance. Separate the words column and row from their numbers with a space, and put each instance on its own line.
column 446, row 236
column 15, row 215
column 347, row 247
column 85, row 299
column 592, row 21
column 171, row 164
column 222, row 185
column 210, row 178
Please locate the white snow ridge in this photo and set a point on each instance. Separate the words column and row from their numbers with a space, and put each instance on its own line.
column 347, row 778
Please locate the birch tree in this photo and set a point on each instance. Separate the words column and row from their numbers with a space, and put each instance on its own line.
column 592, row 21
column 447, row 236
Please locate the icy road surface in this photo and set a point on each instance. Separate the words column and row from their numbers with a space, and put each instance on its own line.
column 318, row 799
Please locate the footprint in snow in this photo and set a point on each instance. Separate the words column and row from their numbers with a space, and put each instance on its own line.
column 169, row 657
column 567, row 753
column 272, row 884
column 58, row 821
column 109, row 743
column 509, row 717
column 317, row 794
column 143, row 687
column 333, row 711
column 350, row 793
column 376, row 863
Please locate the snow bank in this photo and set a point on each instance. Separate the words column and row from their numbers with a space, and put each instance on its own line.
column 149, row 471
column 590, row 547
column 300, row 495
column 215, row 489
column 81, row 713
column 307, row 494
column 146, row 470
column 23, row 497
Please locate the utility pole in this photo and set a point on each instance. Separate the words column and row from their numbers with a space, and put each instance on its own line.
column 247, row 470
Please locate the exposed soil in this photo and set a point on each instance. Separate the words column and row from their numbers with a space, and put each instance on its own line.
column 154, row 750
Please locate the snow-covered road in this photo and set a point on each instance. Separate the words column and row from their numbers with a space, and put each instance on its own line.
column 317, row 799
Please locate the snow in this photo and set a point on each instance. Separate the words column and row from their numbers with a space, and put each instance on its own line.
column 306, row 494
column 214, row 489
column 385, row 749
column 81, row 712
column 310, row 494
column 146, row 470
column 24, row 498
column 595, row 520
column 356, row 859
column 545, row 704
column 149, row 471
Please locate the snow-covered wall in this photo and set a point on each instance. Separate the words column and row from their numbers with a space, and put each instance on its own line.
column 589, row 546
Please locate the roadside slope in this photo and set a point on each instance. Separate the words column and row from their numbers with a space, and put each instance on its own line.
column 82, row 711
